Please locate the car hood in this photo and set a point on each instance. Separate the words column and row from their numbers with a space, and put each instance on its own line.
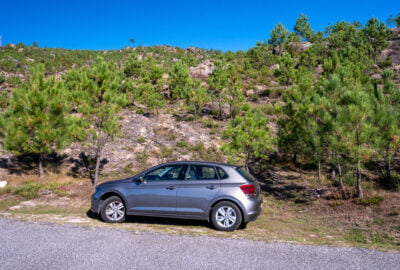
column 119, row 181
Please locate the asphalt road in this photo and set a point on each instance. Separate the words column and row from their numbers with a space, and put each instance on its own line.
column 26, row 245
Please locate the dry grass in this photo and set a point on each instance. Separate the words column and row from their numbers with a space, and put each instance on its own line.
column 288, row 214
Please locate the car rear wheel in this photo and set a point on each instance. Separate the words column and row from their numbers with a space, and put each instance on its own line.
column 113, row 210
column 226, row 216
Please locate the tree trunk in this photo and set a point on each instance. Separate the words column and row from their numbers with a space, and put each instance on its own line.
column 341, row 186
column 359, row 188
column 333, row 172
column 319, row 170
column 294, row 160
column 388, row 169
column 96, row 171
column 220, row 111
column 246, row 162
column 41, row 171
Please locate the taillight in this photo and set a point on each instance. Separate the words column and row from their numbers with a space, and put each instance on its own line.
column 249, row 190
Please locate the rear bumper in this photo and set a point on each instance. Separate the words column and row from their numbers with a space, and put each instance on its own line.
column 254, row 208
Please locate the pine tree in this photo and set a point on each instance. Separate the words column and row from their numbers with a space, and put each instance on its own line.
column 355, row 115
column 180, row 81
column 386, row 121
column 332, row 89
column 133, row 67
column 234, row 92
column 218, row 84
column 279, row 38
column 303, row 28
column 378, row 35
column 294, row 124
column 248, row 137
column 36, row 120
column 152, row 98
column 197, row 97
column 96, row 95
column 286, row 70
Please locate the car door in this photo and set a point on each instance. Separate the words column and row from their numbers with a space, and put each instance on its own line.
column 156, row 193
column 195, row 193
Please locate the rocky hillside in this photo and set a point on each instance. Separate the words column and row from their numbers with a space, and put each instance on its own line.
column 267, row 78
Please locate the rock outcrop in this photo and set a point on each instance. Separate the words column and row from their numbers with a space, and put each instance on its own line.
column 203, row 70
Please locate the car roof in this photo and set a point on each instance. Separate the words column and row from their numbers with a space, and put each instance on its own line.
column 200, row 162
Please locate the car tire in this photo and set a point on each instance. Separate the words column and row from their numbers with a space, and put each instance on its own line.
column 226, row 216
column 113, row 210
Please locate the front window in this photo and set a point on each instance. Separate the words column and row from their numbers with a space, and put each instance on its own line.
column 168, row 172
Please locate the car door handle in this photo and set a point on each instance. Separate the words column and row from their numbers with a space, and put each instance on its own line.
column 171, row 187
column 210, row 187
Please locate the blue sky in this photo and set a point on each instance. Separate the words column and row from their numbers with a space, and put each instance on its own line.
column 225, row 25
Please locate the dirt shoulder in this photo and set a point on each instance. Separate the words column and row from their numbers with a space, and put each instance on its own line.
column 293, row 212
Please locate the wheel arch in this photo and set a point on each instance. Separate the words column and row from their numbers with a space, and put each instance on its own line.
column 227, row 199
column 109, row 194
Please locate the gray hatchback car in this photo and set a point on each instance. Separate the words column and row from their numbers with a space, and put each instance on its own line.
column 222, row 193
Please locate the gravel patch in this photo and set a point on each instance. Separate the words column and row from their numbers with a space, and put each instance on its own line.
column 29, row 245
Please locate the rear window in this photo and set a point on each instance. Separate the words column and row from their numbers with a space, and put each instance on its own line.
column 222, row 174
column 201, row 172
column 245, row 174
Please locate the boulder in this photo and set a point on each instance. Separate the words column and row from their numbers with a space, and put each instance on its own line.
column 300, row 46
column 273, row 83
column 193, row 49
column 392, row 52
column 203, row 70
column 3, row 184
column 274, row 67
column 249, row 93
column 376, row 76
column 319, row 69
column 212, row 108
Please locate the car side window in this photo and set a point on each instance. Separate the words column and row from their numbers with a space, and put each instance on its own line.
column 222, row 174
column 201, row 172
column 169, row 172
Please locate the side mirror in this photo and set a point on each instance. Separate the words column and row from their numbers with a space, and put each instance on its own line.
column 140, row 179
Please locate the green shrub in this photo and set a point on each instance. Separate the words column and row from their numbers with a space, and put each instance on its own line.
column 182, row 144
column 392, row 182
column 28, row 190
column 210, row 123
column 31, row 190
column 140, row 139
column 367, row 237
column 2, row 79
column 142, row 157
column 140, row 111
column 375, row 200
column 254, row 97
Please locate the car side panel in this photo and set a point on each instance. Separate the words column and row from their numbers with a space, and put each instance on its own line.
column 194, row 197
column 153, row 197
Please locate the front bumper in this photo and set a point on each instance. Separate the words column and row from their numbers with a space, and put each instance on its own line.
column 94, row 204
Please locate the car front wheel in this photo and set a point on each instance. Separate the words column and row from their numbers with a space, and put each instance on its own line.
column 113, row 210
column 226, row 216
